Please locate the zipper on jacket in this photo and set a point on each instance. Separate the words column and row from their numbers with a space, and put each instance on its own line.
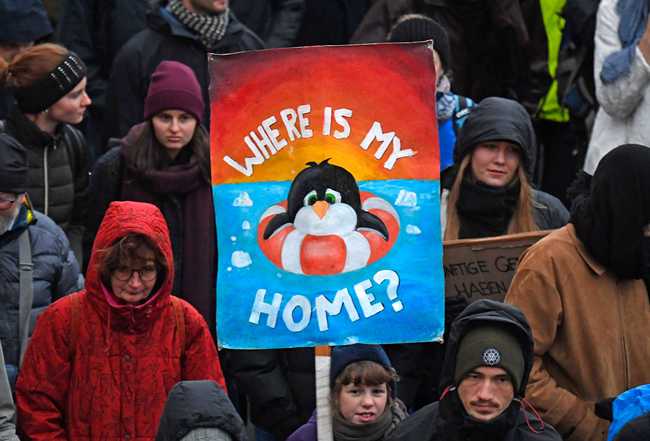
column 46, row 188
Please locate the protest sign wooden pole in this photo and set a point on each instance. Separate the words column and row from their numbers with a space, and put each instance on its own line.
column 323, row 408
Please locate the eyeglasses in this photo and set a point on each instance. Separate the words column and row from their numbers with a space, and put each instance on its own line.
column 7, row 200
column 147, row 274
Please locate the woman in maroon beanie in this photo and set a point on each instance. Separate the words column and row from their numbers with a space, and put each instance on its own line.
column 166, row 161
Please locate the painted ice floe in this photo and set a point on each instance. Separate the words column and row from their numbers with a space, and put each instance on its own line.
column 233, row 238
column 245, row 225
column 243, row 200
column 413, row 229
column 240, row 259
column 406, row 199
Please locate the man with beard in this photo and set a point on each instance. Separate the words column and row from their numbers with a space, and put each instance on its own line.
column 36, row 263
column 489, row 357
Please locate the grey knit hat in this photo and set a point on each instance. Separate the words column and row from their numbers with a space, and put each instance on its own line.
column 490, row 346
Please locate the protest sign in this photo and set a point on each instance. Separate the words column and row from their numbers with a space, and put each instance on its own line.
column 325, row 172
column 483, row 268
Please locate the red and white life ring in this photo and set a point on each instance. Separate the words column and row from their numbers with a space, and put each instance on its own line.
column 299, row 253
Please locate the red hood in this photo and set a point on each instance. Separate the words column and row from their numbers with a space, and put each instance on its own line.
column 121, row 218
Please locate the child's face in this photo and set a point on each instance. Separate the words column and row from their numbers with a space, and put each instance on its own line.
column 362, row 404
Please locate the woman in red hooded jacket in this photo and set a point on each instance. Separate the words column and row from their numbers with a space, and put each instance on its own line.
column 102, row 361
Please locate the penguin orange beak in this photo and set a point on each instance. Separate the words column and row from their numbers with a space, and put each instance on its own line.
column 321, row 207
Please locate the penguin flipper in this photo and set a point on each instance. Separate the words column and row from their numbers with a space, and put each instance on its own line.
column 370, row 221
column 278, row 220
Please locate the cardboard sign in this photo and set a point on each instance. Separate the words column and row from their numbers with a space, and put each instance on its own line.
column 483, row 268
column 325, row 172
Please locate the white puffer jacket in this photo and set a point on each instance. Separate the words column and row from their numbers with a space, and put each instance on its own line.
column 624, row 114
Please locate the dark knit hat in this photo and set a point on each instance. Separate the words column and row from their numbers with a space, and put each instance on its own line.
column 498, row 119
column 13, row 165
column 342, row 356
column 490, row 346
column 417, row 27
column 41, row 94
column 174, row 86
column 23, row 21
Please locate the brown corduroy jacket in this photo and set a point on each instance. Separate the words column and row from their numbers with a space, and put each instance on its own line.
column 590, row 330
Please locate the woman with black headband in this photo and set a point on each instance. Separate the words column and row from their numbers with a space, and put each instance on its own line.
column 49, row 85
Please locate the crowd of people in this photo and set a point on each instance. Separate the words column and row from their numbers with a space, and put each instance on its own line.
column 107, row 230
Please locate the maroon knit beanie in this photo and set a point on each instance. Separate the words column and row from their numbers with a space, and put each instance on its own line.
column 173, row 87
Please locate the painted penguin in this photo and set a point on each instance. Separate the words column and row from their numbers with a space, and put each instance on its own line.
column 324, row 199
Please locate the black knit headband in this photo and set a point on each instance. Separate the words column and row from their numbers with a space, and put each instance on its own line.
column 43, row 93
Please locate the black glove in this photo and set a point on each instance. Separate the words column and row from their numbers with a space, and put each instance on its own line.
column 603, row 408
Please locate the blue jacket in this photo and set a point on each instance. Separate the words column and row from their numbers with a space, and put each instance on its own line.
column 56, row 273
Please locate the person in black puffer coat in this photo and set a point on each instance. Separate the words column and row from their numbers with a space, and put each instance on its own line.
column 199, row 410
column 49, row 82
column 167, row 37
column 488, row 360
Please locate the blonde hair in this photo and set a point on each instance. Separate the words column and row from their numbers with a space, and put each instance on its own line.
column 31, row 65
column 522, row 219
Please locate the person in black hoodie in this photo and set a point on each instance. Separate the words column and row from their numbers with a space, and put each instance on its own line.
column 488, row 191
column 199, row 410
column 177, row 30
column 489, row 357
